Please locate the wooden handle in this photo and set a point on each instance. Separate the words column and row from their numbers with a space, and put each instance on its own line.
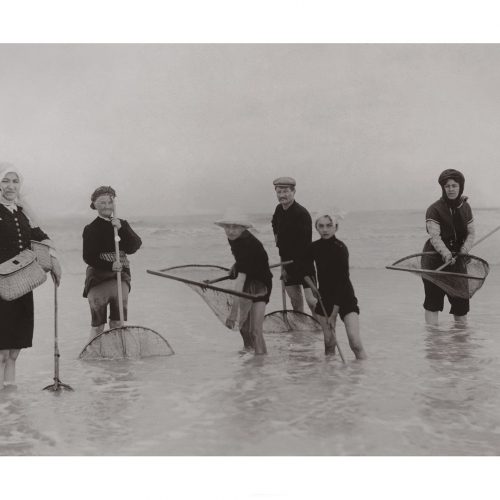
column 227, row 277
column 283, row 294
column 332, row 330
column 485, row 236
column 118, row 274
column 441, row 267
column 56, row 343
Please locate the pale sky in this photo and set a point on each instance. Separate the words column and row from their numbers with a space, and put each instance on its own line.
column 196, row 128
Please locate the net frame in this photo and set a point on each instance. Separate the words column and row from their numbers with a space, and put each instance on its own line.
column 163, row 273
column 435, row 275
column 288, row 318
column 223, row 302
column 438, row 273
column 122, row 330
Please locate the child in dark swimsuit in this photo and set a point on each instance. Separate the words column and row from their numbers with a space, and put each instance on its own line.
column 331, row 259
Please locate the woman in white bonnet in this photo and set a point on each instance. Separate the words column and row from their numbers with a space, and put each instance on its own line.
column 17, row 228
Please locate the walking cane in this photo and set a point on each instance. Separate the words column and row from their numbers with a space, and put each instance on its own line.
column 57, row 385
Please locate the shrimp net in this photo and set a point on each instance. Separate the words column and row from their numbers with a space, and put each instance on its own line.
column 220, row 298
column 462, row 279
column 130, row 342
column 289, row 321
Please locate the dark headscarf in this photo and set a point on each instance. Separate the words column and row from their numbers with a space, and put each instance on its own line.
column 458, row 177
column 99, row 192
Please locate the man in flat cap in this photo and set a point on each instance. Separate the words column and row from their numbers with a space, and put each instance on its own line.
column 292, row 227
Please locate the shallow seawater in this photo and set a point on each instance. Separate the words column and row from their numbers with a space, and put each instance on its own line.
column 423, row 391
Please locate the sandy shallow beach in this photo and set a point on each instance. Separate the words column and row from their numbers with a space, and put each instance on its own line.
column 421, row 392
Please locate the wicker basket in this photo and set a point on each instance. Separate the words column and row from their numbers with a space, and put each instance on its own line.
column 20, row 275
column 42, row 252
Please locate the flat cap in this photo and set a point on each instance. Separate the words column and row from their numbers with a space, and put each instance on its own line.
column 284, row 181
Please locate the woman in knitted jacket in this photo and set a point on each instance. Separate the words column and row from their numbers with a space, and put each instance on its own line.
column 99, row 254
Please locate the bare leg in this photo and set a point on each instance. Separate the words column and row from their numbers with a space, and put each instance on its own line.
column 460, row 320
column 431, row 318
column 10, row 367
column 295, row 294
column 257, row 312
column 311, row 301
column 114, row 323
column 246, row 333
column 327, row 335
column 4, row 356
column 351, row 322
column 96, row 330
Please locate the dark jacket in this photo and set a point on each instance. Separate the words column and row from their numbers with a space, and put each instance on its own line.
column 99, row 250
column 331, row 258
column 16, row 316
column 252, row 259
column 16, row 233
column 293, row 231
column 98, row 238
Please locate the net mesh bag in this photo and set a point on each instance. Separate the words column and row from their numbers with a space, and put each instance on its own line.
column 462, row 279
column 289, row 320
column 219, row 297
column 126, row 342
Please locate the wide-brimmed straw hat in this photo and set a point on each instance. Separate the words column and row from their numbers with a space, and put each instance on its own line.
column 234, row 217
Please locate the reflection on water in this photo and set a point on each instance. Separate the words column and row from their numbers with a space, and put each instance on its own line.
column 455, row 390
column 15, row 433
column 294, row 397
column 433, row 391
column 107, row 421
column 455, row 344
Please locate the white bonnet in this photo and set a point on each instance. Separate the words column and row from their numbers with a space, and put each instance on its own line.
column 334, row 213
column 6, row 167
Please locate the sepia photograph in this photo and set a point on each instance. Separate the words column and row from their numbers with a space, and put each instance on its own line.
column 249, row 250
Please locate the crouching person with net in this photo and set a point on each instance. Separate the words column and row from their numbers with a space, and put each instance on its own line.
column 100, row 256
column 253, row 276
column 450, row 225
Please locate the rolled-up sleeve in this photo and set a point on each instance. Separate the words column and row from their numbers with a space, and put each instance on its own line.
column 434, row 230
